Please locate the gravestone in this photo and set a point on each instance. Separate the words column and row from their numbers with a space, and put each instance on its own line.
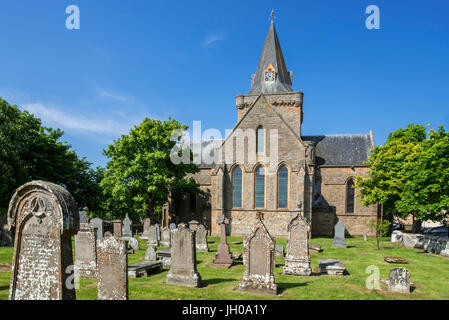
column 152, row 236
column 83, row 217
column 258, row 258
column 6, row 236
column 112, row 260
column 399, row 280
column 98, row 225
column 332, row 267
column 151, row 254
column 117, row 228
column 297, row 261
column 126, row 231
column 44, row 216
column 146, row 225
column 85, row 252
column 172, row 226
column 165, row 257
column 201, row 238
column 165, row 238
column 223, row 255
column 193, row 225
column 339, row 238
column 158, row 232
column 183, row 269
column 133, row 244
column 279, row 251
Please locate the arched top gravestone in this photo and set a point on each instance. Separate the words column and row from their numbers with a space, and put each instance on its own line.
column 44, row 216
column 297, row 261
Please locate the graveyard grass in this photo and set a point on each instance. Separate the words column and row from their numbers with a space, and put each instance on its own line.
column 428, row 273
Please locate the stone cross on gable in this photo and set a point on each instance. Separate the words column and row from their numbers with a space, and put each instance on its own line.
column 260, row 216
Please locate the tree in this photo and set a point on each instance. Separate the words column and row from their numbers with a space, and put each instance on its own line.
column 30, row 151
column 408, row 175
column 380, row 227
column 140, row 174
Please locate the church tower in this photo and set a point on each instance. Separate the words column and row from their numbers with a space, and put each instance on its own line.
column 274, row 81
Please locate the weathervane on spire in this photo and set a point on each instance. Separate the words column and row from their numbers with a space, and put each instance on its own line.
column 272, row 16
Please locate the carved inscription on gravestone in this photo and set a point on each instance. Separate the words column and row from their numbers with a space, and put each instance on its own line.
column 112, row 260
column 85, row 253
column 44, row 216
column 297, row 261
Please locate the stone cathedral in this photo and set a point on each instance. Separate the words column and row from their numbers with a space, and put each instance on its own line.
column 312, row 175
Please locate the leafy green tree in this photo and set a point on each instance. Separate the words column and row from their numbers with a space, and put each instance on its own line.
column 30, row 151
column 380, row 228
column 409, row 174
column 140, row 173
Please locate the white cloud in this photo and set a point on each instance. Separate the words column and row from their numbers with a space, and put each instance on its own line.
column 213, row 38
column 115, row 96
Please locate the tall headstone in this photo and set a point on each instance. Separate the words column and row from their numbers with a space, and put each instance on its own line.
column 44, row 216
column 297, row 261
column 98, row 225
column 201, row 238
column 399, row 280
column 152, row 236
column 223, row 255
column 165, row 215
column 158, row 232
column 85, row 252
column 117, row 228
column 339, row 237
column 183, row 269
column 258, row 258
column 193, row 225
column 146, row 225
column 165, row 237
column 112, row 260
column 126, row 231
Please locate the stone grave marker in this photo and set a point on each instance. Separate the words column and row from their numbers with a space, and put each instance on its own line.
column 165, row 238
column 332, row 267
column 193, row 225
column 146, row 225
column 117, row 228
column 172, row 226
column 297, row 261
column 339, row 238
column 165, row 257
column 98, row 225
column 85, row 252
column 201, row 238
column 399, row 280
column 152, row 236
column 44, row 216
column 258, row 258
column 183, row 269
column 133, row 244
column 126, row 231
column 151, row 254
column 279, row 251
column 158, row 232
column 112, row 260
column 223, row 255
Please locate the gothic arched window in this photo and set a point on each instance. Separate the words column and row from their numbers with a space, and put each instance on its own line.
column 237, row 187
column 283, row 187
column 350, row 196
column 260, row 140
column 260, row 188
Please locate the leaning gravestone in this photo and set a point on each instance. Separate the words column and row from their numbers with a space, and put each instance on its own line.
column 98, row 225
column 126, row 231
column 183, row 269
column 85, row 252
column 112, row 260
column 152, row 236
column 165, row 237
column 146, row 225
column 297, row 261
column 201, row 238
column 399, row 280
column 339, row 238
column 44, row 216
column 258, row 258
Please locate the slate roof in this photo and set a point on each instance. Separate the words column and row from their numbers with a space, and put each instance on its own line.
column 271, row 54
column 342, row 149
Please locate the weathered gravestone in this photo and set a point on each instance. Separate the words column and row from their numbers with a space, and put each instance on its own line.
column 44, row 216
column 193, row 225
column 151, row 254
column 399, row 280
column 165, row 257
column 6, row 236
column 183, row 269
column 83, row 217
column 126, row 231
column 201, row 238
column 112, row 261
column 279, row 251
column 332, row 267
column 117, row 228
column 85, row 252
column 152, row 236
column 258, row 258
column 146, row 225
column 158, row 231
column 133, row 244
column 339, row 238
column 165, row 237
column 172, row 226
column 297, row 261
column 98, row 225
column 223, row 255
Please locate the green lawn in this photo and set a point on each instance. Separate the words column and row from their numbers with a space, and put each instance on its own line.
column 428, row 272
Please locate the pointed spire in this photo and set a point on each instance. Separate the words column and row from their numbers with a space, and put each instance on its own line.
column 272, row 75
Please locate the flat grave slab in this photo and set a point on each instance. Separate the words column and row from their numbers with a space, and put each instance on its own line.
column 143, row 269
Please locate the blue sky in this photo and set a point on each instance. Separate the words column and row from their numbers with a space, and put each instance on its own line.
column 189, row 59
